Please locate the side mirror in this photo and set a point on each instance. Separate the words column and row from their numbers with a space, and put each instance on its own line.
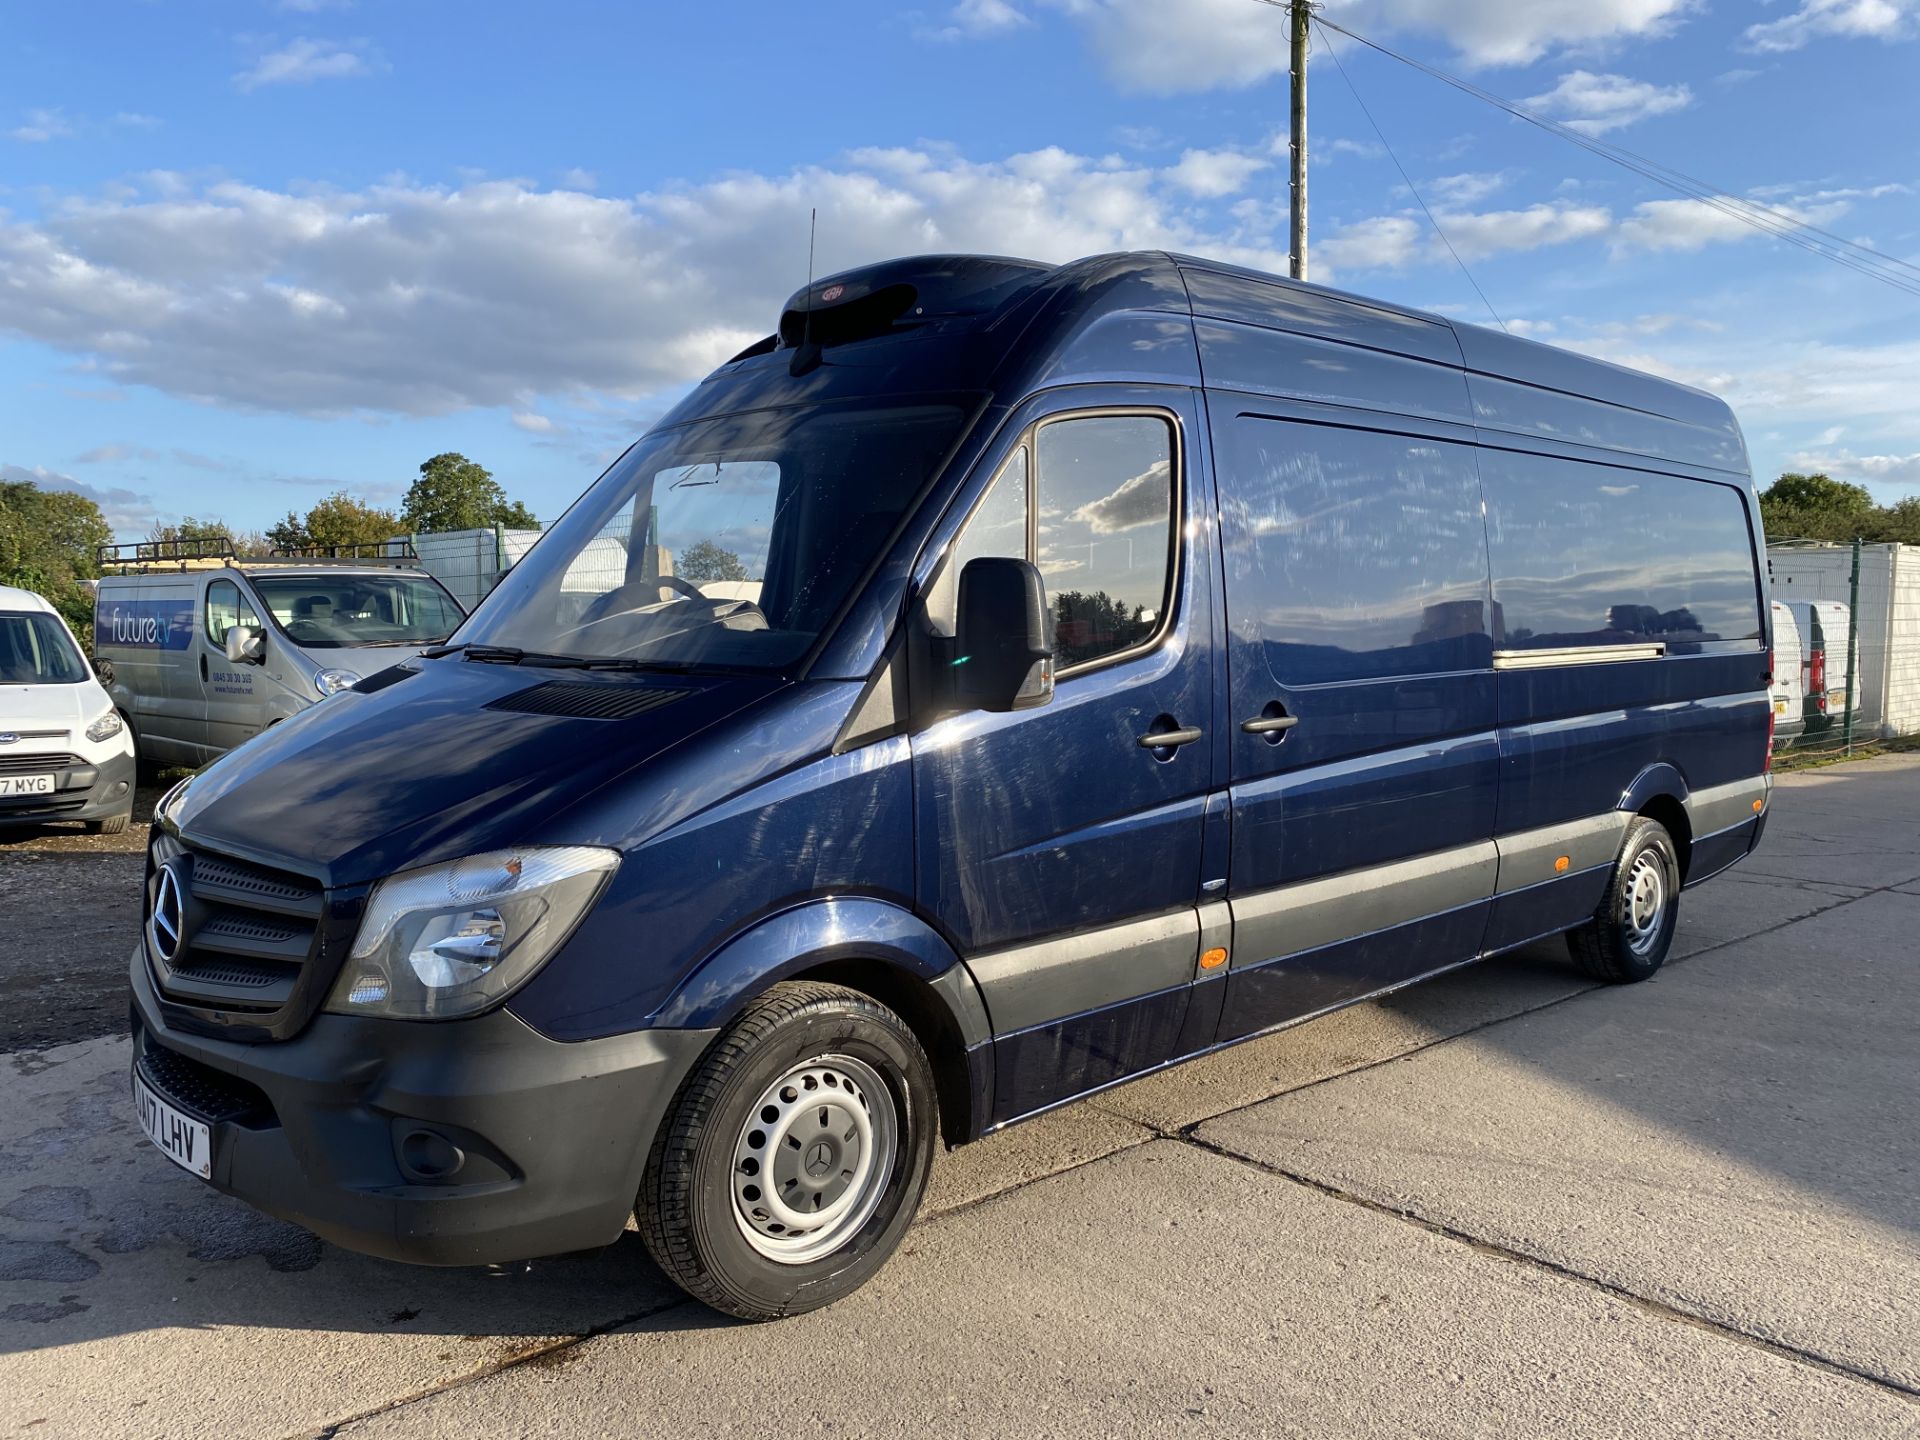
column 1003, row 651
column 245, row 645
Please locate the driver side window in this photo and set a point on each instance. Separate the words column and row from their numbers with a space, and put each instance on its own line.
column 227, row 607
column 1101, row 533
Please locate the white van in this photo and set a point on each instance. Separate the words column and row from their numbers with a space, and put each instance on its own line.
column 1786, row 693
column 207, row 649
column 65, row 754
column 1822, row 625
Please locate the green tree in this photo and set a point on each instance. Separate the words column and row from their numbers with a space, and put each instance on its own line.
column 48, row 540
column 455, row 493
column 1818, row 507
column 188, row 527
column 705, row 560
column 340, row 519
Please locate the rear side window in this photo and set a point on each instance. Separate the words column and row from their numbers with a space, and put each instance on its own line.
column 1352, row 555
column 1587, row 555
column 227, row 607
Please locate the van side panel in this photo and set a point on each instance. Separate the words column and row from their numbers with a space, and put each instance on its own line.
column 1588, row 560
column 146, row 626
column 1357, row 604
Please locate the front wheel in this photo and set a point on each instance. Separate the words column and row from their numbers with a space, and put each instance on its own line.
column 1630, row 934
column 794, row 1156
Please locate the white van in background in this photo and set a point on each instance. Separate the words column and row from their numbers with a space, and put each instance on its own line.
column 1787, row 693
column 208, row 649
column 1823, row 626
column 65, row 754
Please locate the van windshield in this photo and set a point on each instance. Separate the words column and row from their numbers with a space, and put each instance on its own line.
column 730, row 542
column 323, row 612
column 35, row 649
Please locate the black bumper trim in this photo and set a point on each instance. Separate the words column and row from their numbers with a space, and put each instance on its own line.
column 557, row 1133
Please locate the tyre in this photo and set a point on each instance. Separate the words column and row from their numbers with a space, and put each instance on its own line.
column 794, row 1157
column 112, row 825
column 1631, row 932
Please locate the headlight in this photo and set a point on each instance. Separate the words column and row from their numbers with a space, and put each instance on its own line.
column 332, row 682
column 106, row 727
column 456, row 939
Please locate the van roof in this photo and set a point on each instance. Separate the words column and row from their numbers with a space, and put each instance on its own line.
column 1039, row 314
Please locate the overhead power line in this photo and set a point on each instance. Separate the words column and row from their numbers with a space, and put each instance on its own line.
column 1388, row 147
column 1784, row 225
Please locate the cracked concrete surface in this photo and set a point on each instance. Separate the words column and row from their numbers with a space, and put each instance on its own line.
column 1506, row 1202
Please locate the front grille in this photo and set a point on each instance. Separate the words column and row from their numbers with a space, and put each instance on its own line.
column 200, row 1090
column 242, row 936
column 36, row 764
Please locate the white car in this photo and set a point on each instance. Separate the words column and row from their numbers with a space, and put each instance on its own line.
column 65, row 752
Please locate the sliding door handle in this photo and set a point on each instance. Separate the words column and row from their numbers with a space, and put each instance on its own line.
column 1269, row 724
column 1169, row 739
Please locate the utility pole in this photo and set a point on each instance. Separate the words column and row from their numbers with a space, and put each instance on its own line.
column 1301, row 14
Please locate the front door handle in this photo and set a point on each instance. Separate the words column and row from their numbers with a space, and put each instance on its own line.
column 1169, row 739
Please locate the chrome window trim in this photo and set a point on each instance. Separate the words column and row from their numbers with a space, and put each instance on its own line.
column 1577, row 655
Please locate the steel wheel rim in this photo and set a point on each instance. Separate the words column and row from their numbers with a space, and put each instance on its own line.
column 1646, row 901
column 813, row 1159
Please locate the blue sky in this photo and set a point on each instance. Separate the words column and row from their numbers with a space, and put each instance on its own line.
column 254, row 252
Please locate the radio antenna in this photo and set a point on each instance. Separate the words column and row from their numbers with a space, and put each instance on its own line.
column 807, row 356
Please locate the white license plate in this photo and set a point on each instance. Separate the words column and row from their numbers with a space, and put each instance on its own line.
column 26, row 785
column 181, row 1138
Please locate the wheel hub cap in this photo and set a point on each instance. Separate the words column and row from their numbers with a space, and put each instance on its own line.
column 813, row 1158
column 1646, row 901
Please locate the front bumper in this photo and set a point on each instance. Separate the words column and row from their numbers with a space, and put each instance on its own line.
column 546, row 1140
column 109, row 791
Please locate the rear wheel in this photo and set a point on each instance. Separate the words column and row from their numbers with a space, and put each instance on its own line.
column 1630, row 934
column 795, row 1155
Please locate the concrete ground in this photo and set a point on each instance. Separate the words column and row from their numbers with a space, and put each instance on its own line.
column 1508, row 1202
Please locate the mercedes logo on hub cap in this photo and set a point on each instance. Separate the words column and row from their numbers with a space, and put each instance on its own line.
column 169, row 914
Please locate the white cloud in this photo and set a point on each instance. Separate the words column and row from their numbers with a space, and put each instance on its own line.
column 1902, row 471
column 1359, row 149
column 1840, row 19
column 1467, row 189
column 41, row 126
column 1594, row 104
column 1393, row 242
column 127, row 511
column 421, row 299
column 1164, row 48
column 971, row 19
column 302, row 61
column 1688, row 225
column 1210, row 174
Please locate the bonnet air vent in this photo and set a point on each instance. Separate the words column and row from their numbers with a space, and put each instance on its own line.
column 589, row 700
column 381, row 679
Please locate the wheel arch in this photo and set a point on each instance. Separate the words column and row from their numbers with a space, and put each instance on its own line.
column 879, row 949
column 1660, row 793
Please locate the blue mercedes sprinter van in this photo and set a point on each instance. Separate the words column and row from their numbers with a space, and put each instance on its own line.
column 1001, row 681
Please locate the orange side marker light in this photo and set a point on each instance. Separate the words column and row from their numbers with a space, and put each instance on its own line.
column 1213, row 959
